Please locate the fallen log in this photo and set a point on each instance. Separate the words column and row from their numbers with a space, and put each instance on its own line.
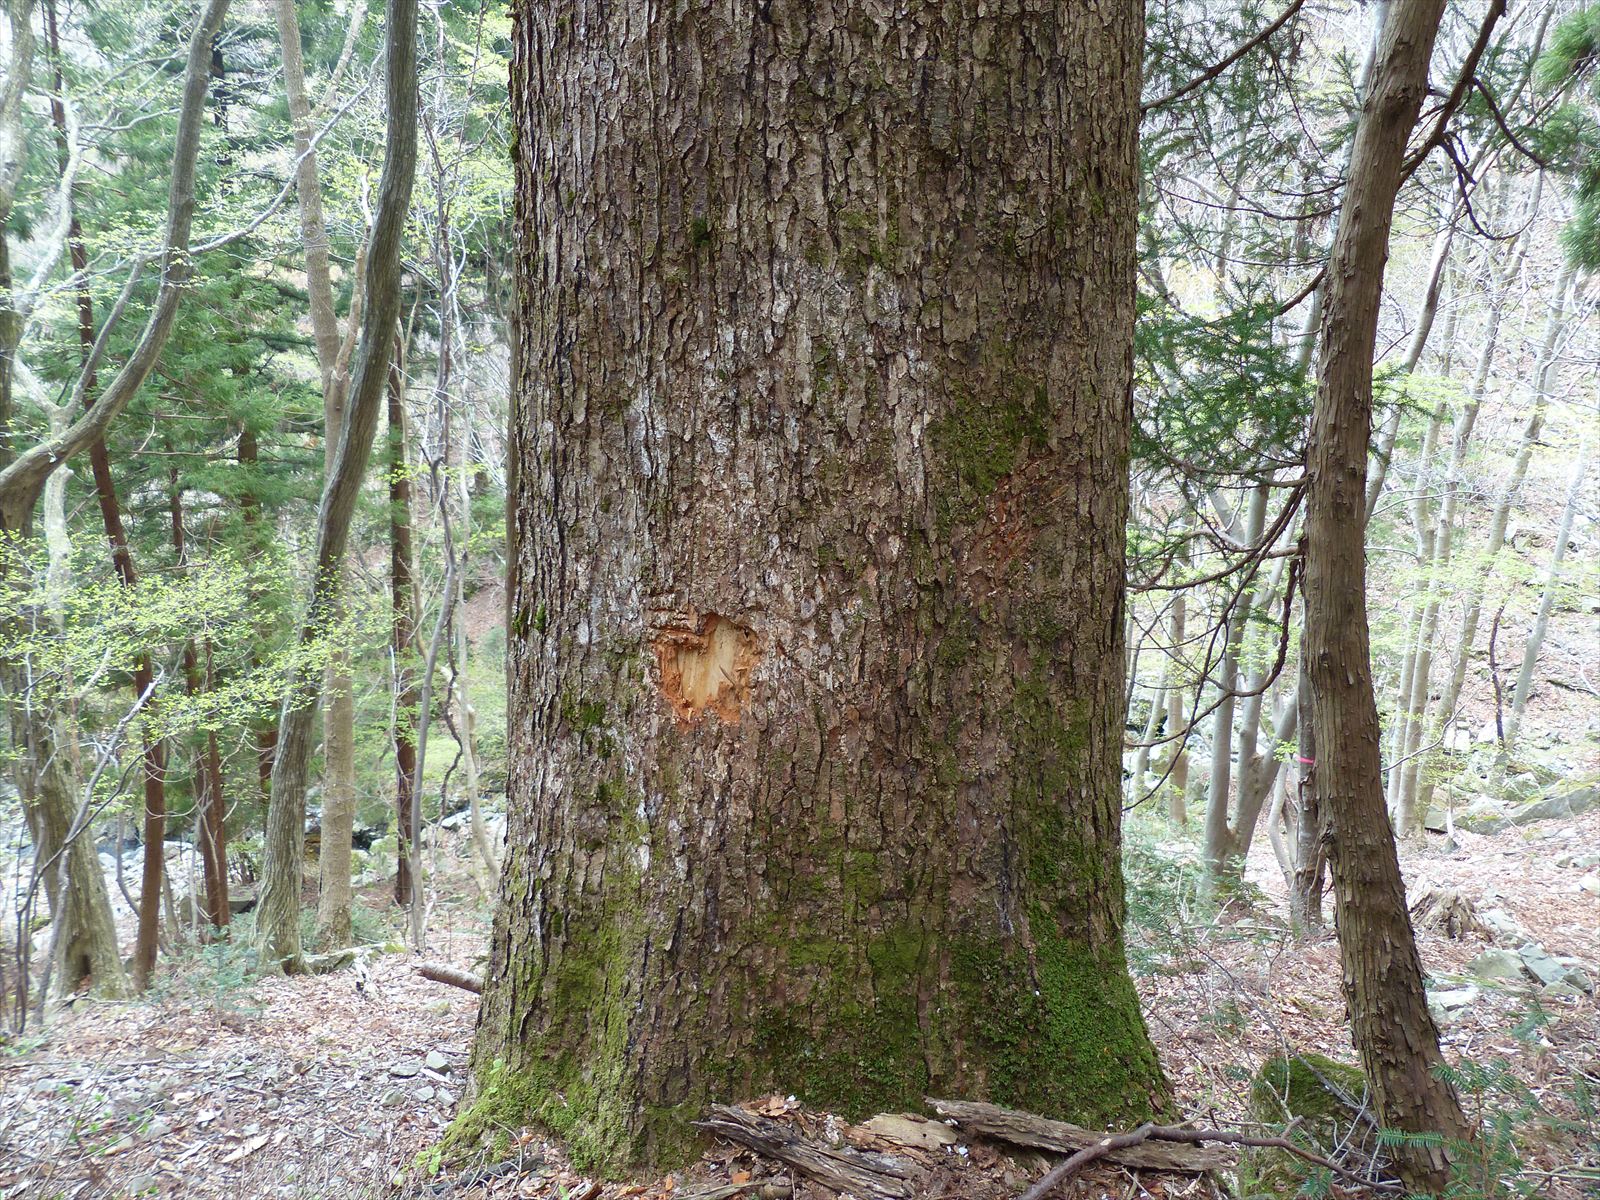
column 839, row 1168
column 440, row 973
column 1113, row 1145
column 1025, row 1129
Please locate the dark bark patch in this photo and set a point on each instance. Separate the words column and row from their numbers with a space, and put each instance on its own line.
column 707, row 669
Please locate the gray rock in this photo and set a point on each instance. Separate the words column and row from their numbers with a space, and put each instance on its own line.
column 1435, row 821
column 1586, row 861
column 1553, row 807
column 1540, row 964
column 1576, row 973
column 1484, row 814
column 392, row 1098
column 1591, row 883
column 1523, row 787
column 405, row 1068
column 436, row 1061
column 1496, row 965
column 157, row 1129
column 1504, row 926
column 1447, row 1004
column 1560, row 991
column 444, row 1096
column 424, row 1093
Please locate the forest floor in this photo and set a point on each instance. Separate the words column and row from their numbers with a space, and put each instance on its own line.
column 326, row 1087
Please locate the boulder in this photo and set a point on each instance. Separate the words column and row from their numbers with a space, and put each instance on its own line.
column 1495, row 966
column 1576, row 973
column 1539, row 963
column 1325, row 1098
column 1504, row 926
column 1553, row 807
column 1484, row 814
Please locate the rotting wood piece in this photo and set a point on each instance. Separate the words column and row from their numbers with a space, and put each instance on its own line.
column 838, row 1167
column 1110, row 1145
column 440, row 973
column 1026, row 1129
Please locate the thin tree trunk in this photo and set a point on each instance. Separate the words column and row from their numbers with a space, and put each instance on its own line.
column 487, row 861
column 403, row 627
column 23, row 478
column 1541, row 622
column 277, row 915
column 338, row 718
column 1394, row 1032
column 14, row 85
column 1499, row 521
column 266, row 733
column 817, row 568
column 208, row 820
column 1216, row 840
column 1177, row 767
column 84, row 941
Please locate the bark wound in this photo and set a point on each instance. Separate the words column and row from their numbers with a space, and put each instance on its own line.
column 707, row 669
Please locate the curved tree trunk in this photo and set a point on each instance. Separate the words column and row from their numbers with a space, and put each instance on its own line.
column 1393, row 1031
column 821, row 444
column 278, row 913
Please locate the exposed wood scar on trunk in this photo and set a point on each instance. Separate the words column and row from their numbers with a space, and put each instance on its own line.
column 707, row 669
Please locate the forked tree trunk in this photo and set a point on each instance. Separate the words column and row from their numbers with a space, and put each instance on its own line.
column 1393, row 1031
column 278, row 912
column 338, row 710
column 817, row 566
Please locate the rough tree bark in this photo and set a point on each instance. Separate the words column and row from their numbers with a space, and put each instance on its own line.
column 1382, row 974
column 820, row 439
column 278, row 913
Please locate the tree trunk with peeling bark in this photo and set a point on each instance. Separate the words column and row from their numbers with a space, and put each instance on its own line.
column 1393, row 1031
column 820, row 443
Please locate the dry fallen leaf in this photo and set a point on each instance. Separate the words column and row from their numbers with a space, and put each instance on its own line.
column 248, row 1148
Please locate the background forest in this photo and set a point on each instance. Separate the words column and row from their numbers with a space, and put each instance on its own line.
column 167, row 611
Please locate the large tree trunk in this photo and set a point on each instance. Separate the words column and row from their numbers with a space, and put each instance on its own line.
column 821, row 444
column 1382, row 974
